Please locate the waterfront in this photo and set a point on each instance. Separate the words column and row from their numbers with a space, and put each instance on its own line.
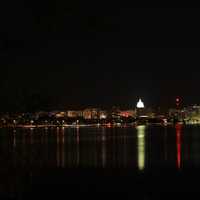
column 27, row 154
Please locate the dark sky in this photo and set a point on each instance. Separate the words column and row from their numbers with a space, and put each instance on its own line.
column 56, row 54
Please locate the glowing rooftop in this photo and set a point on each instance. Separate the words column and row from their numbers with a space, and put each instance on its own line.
column 140, row 104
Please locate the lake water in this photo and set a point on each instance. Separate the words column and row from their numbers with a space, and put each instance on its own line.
column 31, row 157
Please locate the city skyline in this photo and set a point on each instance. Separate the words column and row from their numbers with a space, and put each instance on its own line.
column 98, row 100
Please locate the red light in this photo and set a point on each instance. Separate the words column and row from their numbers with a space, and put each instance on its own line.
column 178, row 143
column 177, row 99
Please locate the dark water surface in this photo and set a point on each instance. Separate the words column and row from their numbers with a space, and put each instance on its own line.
column 150, row 162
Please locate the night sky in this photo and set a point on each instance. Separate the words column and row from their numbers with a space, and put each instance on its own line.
column 73, row 55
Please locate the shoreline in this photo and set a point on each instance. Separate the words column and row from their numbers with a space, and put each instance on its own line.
column 128, row 125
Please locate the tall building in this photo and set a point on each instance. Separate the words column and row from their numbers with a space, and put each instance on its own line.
column 140, row 111
column 140, row 104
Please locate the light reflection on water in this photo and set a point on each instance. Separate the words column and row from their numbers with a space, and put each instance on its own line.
column 178, row 142
column 58, row 148
column 63, row 148
column 103, row 140
column 139, row 148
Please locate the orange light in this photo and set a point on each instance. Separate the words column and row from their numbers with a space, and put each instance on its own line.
column 108, row 125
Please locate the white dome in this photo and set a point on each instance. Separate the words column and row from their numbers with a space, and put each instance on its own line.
column 140, row 104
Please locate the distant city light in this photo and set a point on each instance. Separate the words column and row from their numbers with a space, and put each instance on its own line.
column 140, row 104
column 177, row 100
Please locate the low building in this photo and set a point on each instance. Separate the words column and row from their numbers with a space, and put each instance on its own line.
column 192, row 113
column 103, row 114
column 127, row 113
column 91, row 113
column 74, row 113
column 60, row 114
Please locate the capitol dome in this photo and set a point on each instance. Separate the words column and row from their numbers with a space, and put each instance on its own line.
column 140, row 104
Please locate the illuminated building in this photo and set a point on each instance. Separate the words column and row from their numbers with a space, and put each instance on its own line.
column 140, row 111
column 177, row 114
column 60, row 115
column 140, row 104
column 74, row 113
column 91, row 113
column 102, row 114
column 127, row 113
column 87, row 114
column 95, row 113
column 192, row 114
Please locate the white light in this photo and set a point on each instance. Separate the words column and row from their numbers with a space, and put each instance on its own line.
column 102, row 116
column 141, row 147
column 140, row 104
